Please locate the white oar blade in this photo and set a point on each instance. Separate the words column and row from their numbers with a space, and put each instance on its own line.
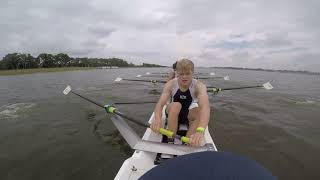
column 118, row 79
column 267, row 86
column 226, row 78
column 126, row 131
column 67, row 90
column 147, row 73
column 212, row 74
column 139, row 75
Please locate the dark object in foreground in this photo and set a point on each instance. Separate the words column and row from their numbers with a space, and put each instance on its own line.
column 209, row 165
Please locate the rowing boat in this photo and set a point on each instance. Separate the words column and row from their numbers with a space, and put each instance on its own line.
column 142, row 161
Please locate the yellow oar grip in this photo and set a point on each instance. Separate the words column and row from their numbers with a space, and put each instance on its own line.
column 166, row 132
column 169, row 134
column 185, row 139
column 110, row 109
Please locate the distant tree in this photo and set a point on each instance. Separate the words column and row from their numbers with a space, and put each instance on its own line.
column 22, row 61
column 32, row 63
column 11, row 61
column 46, row 60
column 62, row 60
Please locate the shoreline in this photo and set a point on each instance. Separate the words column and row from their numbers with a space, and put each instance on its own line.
column 42, row 70
column 56, row 69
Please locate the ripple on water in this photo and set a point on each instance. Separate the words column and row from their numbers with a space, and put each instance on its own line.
column 14, row 110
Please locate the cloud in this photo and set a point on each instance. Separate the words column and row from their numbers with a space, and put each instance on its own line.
column 262, row 34
column 101, row 32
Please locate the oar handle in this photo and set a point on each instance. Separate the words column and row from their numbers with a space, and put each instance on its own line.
column 170, row 134
column 166, row 132
column 185, row 139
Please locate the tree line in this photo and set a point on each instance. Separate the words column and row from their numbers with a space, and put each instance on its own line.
column 44, row 60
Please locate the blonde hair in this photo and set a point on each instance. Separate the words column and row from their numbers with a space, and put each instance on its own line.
column 185, row 65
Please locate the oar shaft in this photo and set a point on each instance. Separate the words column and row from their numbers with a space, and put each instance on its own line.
column 244, row 87
column 131, row 119
column 232, row 88
column 141, row 80
column 145, row 102
column 214, row 77
column 158, row 73
column 115, row 112
column 98, row 104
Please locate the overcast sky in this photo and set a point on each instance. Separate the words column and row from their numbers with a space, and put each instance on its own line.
column 275, row 34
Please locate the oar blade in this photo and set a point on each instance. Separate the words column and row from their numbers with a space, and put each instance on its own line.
column 226, row 78
column 126, row 131
column 67, row 90
column 212, row 74
column 267, row 86
column 147, row 73
column 118, row 79
column 139, row 75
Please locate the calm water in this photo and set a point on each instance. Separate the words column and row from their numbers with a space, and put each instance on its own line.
column 45, row 135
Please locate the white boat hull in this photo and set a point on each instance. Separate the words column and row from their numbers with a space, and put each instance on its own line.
column 141, row 161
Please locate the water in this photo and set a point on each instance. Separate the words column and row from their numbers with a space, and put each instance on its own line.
column 46, row 135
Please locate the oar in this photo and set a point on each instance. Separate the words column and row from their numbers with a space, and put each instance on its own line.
column 211, row 73
column 111, row 109
column 267, row 86
column 151, row 75
column 148, row 73
column 118, row 79
column 226, row 78
column 143, row 102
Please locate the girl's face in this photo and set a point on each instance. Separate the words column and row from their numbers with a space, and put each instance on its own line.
column 185, row 77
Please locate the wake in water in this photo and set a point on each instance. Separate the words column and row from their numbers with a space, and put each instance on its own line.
column 14, row 110
column 109, row 137
column 307, row 102
column 300, row 101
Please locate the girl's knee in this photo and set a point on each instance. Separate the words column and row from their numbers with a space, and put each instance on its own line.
column 175, row 107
